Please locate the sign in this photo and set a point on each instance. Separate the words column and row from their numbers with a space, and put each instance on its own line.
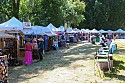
column 27, row 25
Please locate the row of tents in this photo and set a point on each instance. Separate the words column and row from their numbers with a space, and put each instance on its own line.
column 50, row 30
column 102, row 31
column 15, row 24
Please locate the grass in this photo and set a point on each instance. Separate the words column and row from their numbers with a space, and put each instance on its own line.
column 74, row 65
column 118, row 64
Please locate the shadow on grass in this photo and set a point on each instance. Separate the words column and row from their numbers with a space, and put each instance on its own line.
column 119, row 77
column 117, row 66
column 86, row 50
column 120, row 51
column 52, row 60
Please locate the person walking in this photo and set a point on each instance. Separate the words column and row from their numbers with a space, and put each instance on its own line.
column 28, row 53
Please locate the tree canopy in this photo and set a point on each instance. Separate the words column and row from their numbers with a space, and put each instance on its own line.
column 104, row 14
column 98, row 14
column 43, row 12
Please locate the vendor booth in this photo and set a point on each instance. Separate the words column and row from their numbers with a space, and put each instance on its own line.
column 52, row 28
column 61, row 32
column 48, row 38
column 110, row 34
column 120, row 34
column 14, row 27
column 95, row 33
column 9, row 47
column 85, row 33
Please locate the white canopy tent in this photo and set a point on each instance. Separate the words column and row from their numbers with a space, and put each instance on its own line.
column 109, row 31
column 120, row 31
column 4, row 35
column 38, row 30
column 47, row 31
column 12, row 24
column 69, row 30
column 35, row 30
column 87, row 30
column 27, row 32
column 76, row 30
column 82, row 30
column 102, row 31
column 52, row 28
column 61, row 28
column 94, row 31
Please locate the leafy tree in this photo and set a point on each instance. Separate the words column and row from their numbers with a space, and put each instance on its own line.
column 74, row 12
column 89, row 14
column 15, row 6
column 43, row 12
column 5, row 10
column 104, row 14
column 9, row 8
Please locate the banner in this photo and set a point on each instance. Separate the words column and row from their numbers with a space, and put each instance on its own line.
column 27, row 25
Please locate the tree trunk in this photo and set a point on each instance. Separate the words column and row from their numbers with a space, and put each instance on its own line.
column 16, row 4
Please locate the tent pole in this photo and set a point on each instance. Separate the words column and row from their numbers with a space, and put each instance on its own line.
column 36, row 34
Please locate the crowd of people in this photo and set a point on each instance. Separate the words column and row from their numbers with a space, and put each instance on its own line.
column 33, row 50
column 105, row 41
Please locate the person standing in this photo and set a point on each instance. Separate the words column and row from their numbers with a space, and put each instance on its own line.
column 109, row 41
column 41, row 48
column 55, row 44
column 102, row 42
column 35, row 49
column 67, row 40
column 28, row 53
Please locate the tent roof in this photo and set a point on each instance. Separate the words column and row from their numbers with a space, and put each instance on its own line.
column 38, row 30
column 27, row 32
column 69, row 30
column 12, row 24
column 120, row 31
column 102, row 31
column 47, row 31
column 109, row 31
column 52, row 27
column 76, row 30
column 87, row 31
column 4, row 35
column 82, row 30
column 35, row 30
column 61, row 28
column 94, row 31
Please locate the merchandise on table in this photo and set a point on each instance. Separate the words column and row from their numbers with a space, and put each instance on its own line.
column 3, row 69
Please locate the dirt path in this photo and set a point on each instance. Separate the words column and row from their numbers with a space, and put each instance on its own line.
column 74, row 65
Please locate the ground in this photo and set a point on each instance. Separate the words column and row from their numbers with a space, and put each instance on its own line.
column 73, row 65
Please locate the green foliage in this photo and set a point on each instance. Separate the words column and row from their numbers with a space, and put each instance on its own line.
column 5, row 10
column 74, row 12
column 104, row 14
column 43, row 12
column 52, row 12
column 99, row 14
